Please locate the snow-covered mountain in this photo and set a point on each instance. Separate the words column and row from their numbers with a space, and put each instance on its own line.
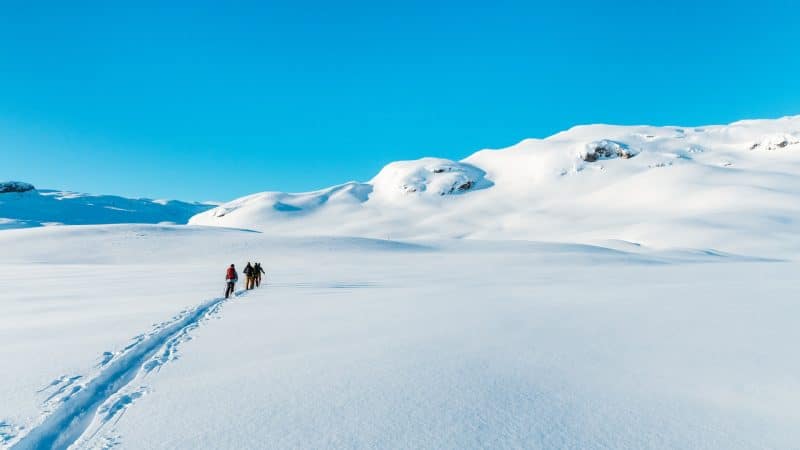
column 733, row 187
column 352, row 342
column 21, row 206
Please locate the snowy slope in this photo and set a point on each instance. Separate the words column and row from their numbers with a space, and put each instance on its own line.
column 115, row 336
column 620, row 287
column 733, row 187
column 23, row 206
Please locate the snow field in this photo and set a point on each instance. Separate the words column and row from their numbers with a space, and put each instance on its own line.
column 374, row 344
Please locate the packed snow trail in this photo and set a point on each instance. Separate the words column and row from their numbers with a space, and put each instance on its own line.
column 75, row 416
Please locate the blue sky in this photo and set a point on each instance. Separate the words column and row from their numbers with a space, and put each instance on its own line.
column 213, row 100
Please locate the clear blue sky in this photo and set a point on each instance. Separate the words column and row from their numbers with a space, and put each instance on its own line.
column 213, row 100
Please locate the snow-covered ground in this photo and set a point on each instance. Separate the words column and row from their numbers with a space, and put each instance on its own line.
column 606, row 287
column 116, row 336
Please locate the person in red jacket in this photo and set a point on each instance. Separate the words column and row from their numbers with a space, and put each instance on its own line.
column 231, row 277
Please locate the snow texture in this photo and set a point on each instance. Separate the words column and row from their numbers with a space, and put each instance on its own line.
column 611, row 287
column 357, row 343
column 731, row 187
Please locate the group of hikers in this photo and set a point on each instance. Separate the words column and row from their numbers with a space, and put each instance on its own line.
column 252, row 273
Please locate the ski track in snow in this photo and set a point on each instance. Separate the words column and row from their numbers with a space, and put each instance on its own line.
column 76, row 413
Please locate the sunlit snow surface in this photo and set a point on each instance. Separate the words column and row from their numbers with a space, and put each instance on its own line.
column 733, row 187
column 607, row 287
column 358, row 343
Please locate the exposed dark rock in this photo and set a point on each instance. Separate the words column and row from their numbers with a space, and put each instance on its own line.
column 607, row 150
column 15, row 186
column 776, row 142
column 465, row 186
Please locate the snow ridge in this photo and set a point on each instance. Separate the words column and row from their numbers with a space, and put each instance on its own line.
column 84, row 411
column 662, row 186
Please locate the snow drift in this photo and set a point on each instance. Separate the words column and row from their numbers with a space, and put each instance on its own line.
column 427, row 177
column 733, row 187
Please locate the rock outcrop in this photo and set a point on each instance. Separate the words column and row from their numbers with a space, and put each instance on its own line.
column 428, row 177
column 776, row 142
column 15, row 186
column 606, row 149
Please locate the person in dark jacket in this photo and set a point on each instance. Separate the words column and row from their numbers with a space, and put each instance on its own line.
column 257, row 271
column 249, row 274
column 231, row 277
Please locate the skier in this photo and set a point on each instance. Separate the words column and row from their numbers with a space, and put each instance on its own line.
column 257, row 270
column 249, row 273
column 231, row 277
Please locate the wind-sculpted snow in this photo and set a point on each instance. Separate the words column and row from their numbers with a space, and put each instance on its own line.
column 78, row 411
column 427, row 177
column 273, row 203
column 23, row 207
column 733, row 187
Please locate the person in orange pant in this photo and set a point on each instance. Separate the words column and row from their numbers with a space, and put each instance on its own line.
column 249, row 276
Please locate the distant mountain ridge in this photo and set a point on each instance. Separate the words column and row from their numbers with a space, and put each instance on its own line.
column 21, row 205
column 731, row 187
column 720, row 186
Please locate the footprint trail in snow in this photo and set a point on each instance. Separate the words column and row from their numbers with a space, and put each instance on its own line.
column 78, row 412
